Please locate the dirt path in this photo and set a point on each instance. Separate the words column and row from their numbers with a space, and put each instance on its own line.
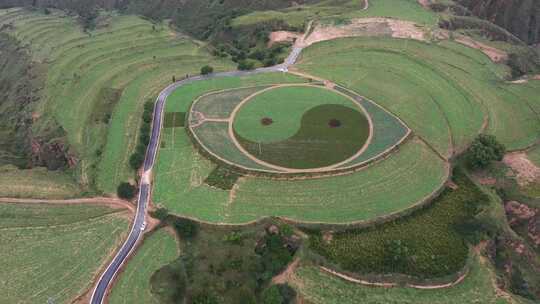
column 287, row 274
column 494, row 54
column 102, row 201
column 388, row 285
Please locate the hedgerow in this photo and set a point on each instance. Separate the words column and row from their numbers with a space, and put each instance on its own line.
column 429, row 243
column 222, row 178
column 137, row 158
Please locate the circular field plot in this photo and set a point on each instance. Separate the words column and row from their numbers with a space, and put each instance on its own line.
column 300, row 127
column 293, row 128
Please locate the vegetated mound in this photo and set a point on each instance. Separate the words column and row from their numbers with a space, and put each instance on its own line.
column 322, row 139
column 225, row 265
column 36, row 239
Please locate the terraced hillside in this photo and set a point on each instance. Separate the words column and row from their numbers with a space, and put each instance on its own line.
column 53, row 252
column 96, row 83
column 447, row 93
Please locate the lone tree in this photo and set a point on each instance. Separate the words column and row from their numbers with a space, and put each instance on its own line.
column 205, row 70
column 126, row 191
column 484, row 150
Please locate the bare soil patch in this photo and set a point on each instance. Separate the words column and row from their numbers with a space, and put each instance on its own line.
column 526, row 171
column 366, row 27
column 114, row 203
column 424, row 3
column 494, row 54
column 283, row 36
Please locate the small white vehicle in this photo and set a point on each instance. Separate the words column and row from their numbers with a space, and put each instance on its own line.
column 143, row 226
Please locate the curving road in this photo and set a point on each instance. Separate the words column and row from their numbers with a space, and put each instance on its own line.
column 137, row 229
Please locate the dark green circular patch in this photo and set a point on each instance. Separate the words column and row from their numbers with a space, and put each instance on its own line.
column 328, row 134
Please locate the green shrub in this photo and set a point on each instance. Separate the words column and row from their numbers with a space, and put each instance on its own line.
column 271, row 295
column 126, row 191
column 185, row 228
column 245, row 65
column 136, row 160
column 205, row 70
column 169, row 283
column 274, row 256
column 484, row 150
column 205, row 298
column 160, row 213
column 222, row 178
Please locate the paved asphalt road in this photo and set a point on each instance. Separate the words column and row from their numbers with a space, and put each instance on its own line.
column 99, row 293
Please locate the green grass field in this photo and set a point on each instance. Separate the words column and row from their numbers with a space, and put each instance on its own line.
column 318, row 287
column 133, row 285
column 221, row 104
column 534, row 155
column 364, row 195
column 285, row 106
column 296, row 16
column 37, row 183
column 360, row 196
column 54, row 251
column 180, row 100
column 442, row 91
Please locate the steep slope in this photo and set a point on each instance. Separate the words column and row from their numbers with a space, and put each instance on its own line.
column 520, row 17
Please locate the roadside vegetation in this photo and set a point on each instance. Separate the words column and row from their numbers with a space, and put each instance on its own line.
column 216, row 264
column 158, row 249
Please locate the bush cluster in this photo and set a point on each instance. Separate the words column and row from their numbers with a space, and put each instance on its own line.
column 222, row 178
column 205, row 70
column 126, row 191
column 137, row 158
column 484, row 150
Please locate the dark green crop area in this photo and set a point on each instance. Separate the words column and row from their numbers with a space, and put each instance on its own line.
column 426, row 244
column 328, row 134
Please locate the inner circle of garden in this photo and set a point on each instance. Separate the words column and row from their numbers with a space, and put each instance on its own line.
column 300, row 127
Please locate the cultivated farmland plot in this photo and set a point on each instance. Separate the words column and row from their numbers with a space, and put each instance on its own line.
column 54, row 251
